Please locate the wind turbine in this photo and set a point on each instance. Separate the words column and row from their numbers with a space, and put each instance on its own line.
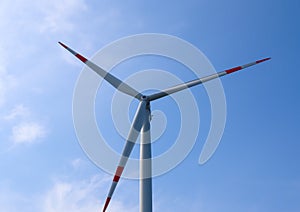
column 141, row 125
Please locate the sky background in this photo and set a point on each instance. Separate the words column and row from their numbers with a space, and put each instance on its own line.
column 255, row 168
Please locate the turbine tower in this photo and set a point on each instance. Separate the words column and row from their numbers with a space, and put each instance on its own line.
column 141, row 125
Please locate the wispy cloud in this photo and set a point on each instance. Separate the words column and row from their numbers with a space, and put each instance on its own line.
column 73, row 196
column 66, row 193
column 18, row 111
column 7, row 82
column 24, row 127
column 82, row 195
column 11, row 201
column 28, row 132
column 78, row 163
column 53, row 15
column 58, row 14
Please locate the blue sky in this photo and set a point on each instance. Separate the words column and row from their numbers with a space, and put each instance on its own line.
column 255, row 168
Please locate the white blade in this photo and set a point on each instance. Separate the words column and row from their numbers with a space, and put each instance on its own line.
column 118, row 84
column 192, row 83
column 135, row 129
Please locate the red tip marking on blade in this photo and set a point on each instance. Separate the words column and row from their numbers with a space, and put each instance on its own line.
column 233, row 69
column 263, row 60
column 63, row 45
column 106, row 203
column 80, row 57
column 118, row 173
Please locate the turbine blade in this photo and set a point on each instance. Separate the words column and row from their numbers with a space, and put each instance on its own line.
column 117, row 83
column 192, row 83
column 131, row 139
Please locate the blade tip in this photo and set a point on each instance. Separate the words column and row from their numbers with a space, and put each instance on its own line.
column 106, row 204
column 263, row 60
column 63, row 45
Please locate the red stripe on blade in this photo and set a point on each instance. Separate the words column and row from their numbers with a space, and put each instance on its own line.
column 106, row 203
column 233, row 69
column 118, row 173
column 263, row 60
column 80, row 57
column 116, row 178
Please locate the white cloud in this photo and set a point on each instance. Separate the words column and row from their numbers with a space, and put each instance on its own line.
column 18, row 111
column 28, row 132
column 26, row 25
column 58, row 14
column 64, row 195
column 41, row 15
column 8, row 200
column 24, row 128
column 68, row 193
column 78, row 163
column 81, row 196
column 7, row 82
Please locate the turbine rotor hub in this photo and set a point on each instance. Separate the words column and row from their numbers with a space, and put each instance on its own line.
column 144, row 98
